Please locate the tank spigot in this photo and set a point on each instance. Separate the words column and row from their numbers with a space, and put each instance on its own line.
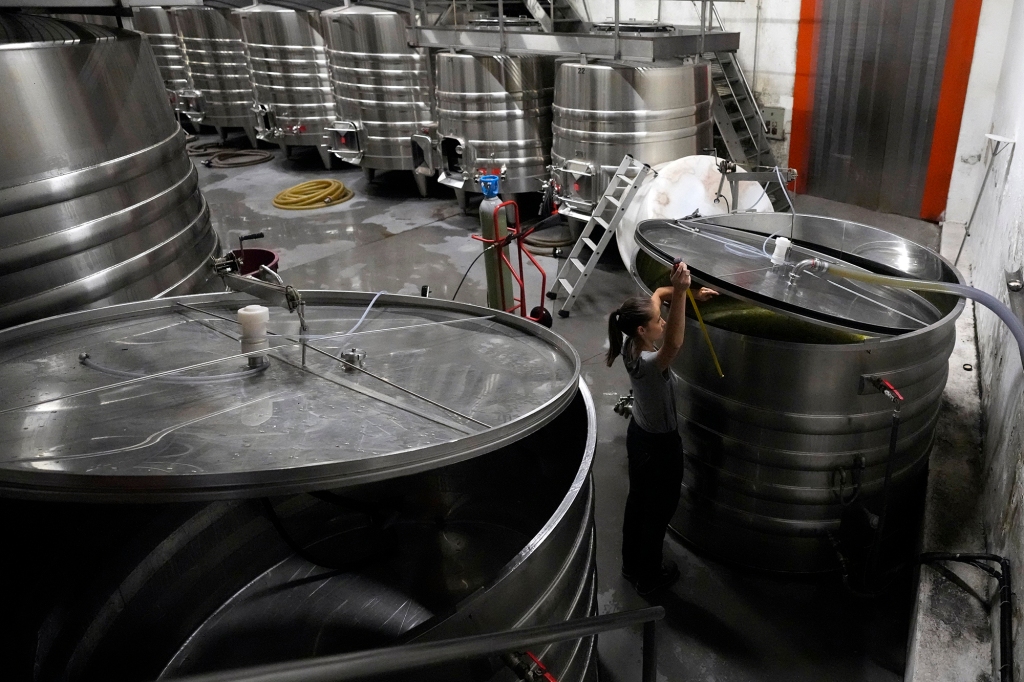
column 809, row 265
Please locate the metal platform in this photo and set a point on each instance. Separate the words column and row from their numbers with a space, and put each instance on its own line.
column 634, row 47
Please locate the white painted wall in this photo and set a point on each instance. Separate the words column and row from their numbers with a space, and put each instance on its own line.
column 971, row 156
column 776, row 36
column 997, row 245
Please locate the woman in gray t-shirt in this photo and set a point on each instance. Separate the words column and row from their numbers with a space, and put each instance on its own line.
column 652, row 442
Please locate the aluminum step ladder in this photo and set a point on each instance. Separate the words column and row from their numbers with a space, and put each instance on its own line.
column 585, row 254
column 738, row 121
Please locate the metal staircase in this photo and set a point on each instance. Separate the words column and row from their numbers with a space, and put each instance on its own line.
column 585, row 254
column 737, row 116
column 739, row 126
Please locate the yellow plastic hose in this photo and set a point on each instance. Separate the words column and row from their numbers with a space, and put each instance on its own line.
column 313, row 194
column 707, row 337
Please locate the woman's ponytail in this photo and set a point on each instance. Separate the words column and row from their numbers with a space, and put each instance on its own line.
column 614, row 338
column 633, row 313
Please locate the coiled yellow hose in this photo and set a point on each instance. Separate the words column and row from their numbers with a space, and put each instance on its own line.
column 313, row 194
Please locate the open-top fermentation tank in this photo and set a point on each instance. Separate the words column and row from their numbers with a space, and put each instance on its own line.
column 220, row 90
column 793, row 442
column 158, row 26
column 382, row 90
column 291, row 86
column 604, row 110
column 99, row 203
column 423, row 474
column 494, row 118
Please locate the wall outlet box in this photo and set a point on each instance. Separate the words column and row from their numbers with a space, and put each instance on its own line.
column 774, row 120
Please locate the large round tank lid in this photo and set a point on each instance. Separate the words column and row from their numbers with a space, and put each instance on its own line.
column 96, row 405
column 20, row 31
column 739, row 263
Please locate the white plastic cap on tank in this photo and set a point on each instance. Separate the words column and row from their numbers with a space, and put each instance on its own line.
column 253, row 319
column 782, row 247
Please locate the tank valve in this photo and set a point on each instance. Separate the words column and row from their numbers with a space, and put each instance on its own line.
column 624, row 406
column 809, row 265
column 253, row 320
column 353, row 359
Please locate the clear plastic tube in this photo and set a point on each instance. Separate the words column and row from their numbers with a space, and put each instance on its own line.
column 173, row 379
column 986, row 299
column 351, row 331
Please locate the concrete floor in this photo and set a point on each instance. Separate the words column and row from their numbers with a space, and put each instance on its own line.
column 723, row 624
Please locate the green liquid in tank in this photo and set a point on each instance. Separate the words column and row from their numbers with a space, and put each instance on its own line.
column 740, row 317
column 745, row 318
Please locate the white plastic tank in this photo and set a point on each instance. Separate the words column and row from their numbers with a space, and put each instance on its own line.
column 681, row 187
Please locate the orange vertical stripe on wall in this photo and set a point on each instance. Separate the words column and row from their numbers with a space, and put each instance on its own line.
column 963, row 32
column 803, row 93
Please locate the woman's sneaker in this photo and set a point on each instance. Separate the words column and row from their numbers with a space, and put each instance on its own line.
column 646, row 585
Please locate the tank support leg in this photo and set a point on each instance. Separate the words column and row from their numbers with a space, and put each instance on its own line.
column 421, row 183
column 250, row 133
column 460, row 196
column 326, row 157
column 369, row 173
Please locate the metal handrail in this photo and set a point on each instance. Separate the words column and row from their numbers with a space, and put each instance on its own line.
column 389, row 660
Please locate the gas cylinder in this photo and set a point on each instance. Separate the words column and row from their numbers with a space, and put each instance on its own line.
column 500, row 294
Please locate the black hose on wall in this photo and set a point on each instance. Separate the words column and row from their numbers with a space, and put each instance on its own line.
column 1002, row 576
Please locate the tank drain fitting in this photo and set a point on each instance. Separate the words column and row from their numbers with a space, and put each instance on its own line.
column 809, row 265
column 353, row 359
column 253, row 320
